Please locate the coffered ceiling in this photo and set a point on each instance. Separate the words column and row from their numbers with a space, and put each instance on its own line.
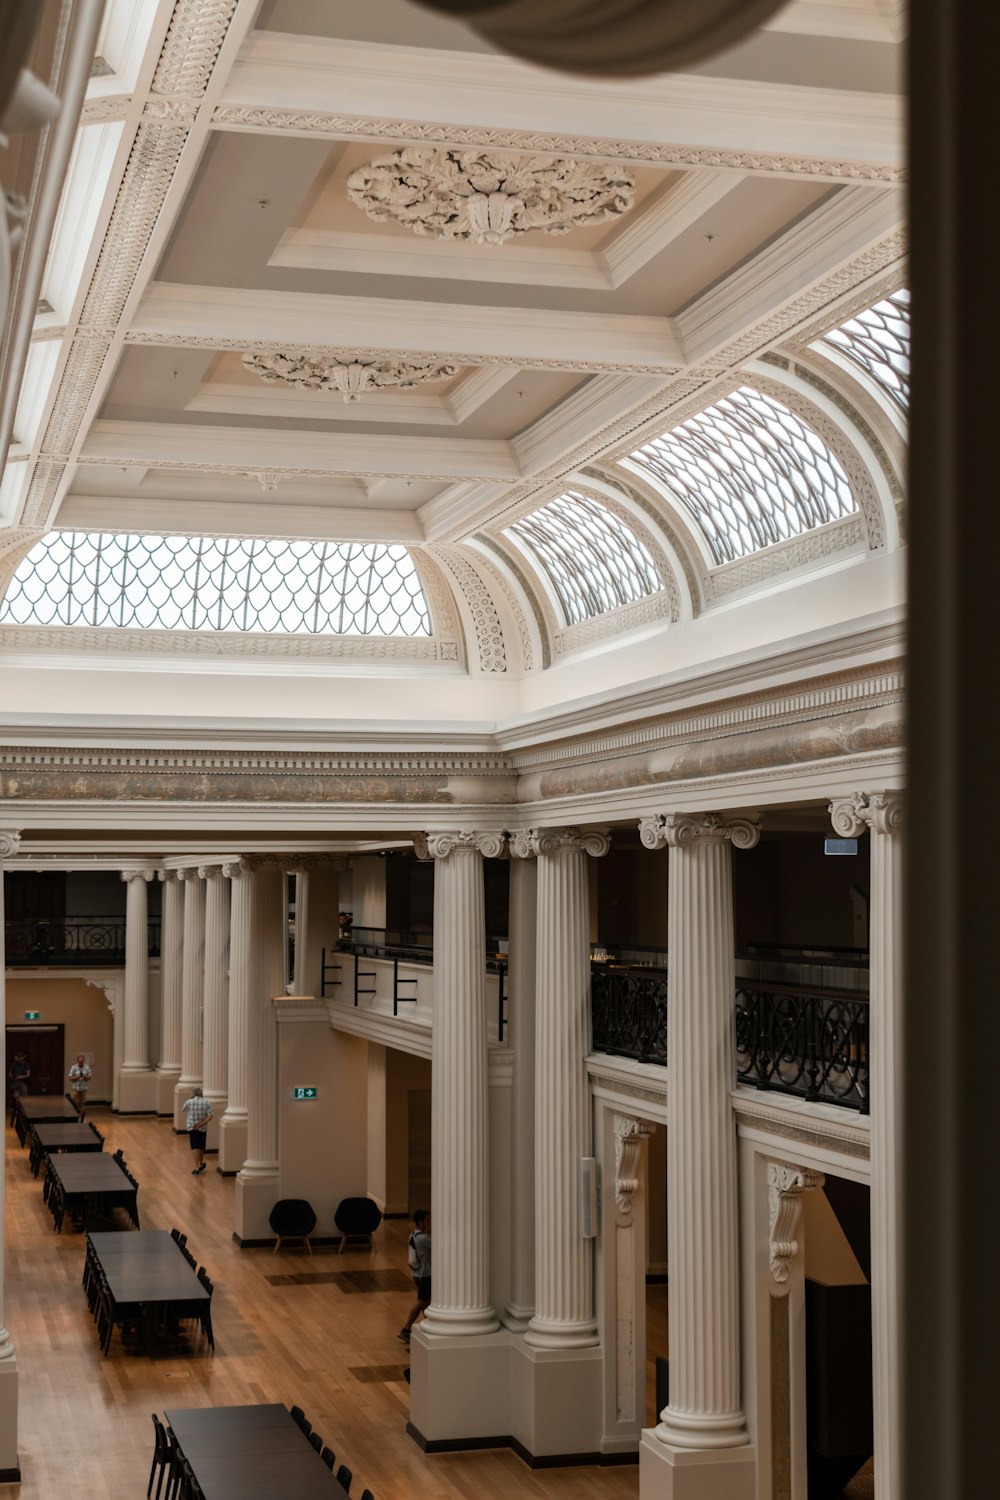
column 212, row 271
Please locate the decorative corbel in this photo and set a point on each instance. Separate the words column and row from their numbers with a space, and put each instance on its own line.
column 785, row 1186
column 629, row 1136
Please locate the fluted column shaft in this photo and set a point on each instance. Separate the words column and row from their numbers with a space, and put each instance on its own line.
column 216, row 1056
column 459, row 1112
column 301, row 928
column 705, row 1410
column 136, row 1008
column 882, row 813
column 9, row 842
column 564, row 1260
column 241, row 968
column 268, row 934
column 522, row 935
column 193, row 979
column 171, row 971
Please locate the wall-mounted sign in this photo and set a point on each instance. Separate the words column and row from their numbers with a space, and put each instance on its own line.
column 840, row 846
column 32, row 1015
column 305, row 1093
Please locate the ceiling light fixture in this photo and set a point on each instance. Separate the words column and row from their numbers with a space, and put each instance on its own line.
column 353, row 375
column 487, row 196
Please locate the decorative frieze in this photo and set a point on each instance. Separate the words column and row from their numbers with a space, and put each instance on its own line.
column 350, row 376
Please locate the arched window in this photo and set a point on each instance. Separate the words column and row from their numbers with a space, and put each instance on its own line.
column 592, row 559
column 878, row 341
column 750, row 472
column 217, row 583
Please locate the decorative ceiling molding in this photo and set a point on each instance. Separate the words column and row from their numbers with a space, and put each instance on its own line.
column 488, row 197
column 489, row 630
column 350, row 375
column 517, row 612
column 274, row 120
column 108, row 642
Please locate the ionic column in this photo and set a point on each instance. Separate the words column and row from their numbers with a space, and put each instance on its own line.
column 9, row 842
column 136, row 1087
column 317, row 893
column 459, row 1144
column 233, row 1128
column 564, row 1260
column 216, row 996
column 705, row 1410
column 882, row 813
column 268, row 924
column 168, row 1069
column 192, row 991
column 522, row 939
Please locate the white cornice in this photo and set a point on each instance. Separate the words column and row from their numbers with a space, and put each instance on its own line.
column 202, row 513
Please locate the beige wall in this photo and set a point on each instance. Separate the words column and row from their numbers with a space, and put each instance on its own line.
column 80, row 1008
column 403, row 1073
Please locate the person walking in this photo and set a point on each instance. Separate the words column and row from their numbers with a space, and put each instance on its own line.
column 418, row 1255
column 198, row 1112
column 20, row 1075
column 80, row 1075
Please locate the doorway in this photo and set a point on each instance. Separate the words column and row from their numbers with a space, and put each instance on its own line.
column 43, row 1046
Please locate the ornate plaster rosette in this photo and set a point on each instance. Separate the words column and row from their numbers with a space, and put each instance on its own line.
column 487, row 196
column 351, row 376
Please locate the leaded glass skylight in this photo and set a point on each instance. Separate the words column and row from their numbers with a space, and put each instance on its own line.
column 592, row 559
column 878, row 341
column 750, row 472
column 217, row 583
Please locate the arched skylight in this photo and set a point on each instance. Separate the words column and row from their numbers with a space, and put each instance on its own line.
column 592, row 559
column 750, row 472
column 878, row 340
column 217, row 583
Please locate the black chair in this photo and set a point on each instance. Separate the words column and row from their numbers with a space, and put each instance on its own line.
column 163, row 1458
column 316, row 1441
column 180, row 1239
column 344, row 1477
column 299, row 1416
column 206, row 1310
column 357, row 1218
column 191, row 1259
column 292, row 1219
column 329, row 1458
column 367, row 1495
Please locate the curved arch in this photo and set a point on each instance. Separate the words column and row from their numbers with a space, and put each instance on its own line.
column 876, row 341
column 224, row 584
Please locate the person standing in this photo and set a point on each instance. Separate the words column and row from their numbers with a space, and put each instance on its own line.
column 80, row 1075
column 198, row 1112
column 20, row 1074
column 418, row 1255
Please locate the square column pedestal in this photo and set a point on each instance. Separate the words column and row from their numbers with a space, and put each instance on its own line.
column 232, row 1146
column 557, row 1402
column 668, row 1473
column 255, row 1198
column 166, row 1082
column 10, row 1471
column 137, row 1091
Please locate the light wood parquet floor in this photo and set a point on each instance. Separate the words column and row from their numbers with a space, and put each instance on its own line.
column 85, row 1424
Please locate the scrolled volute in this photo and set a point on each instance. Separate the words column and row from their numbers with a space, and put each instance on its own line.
column 10, row 842
column 885, row 812
column 593, row 841
column 681, row 830
column 849, row 815
column 138, row 873
column 439, row 845
column 882, row 812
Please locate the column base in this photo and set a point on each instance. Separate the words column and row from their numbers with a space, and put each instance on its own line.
column 477, row 1322
column 183, row 1090
column 669, row 1473
column 557, row 1400
column 10, row 1469
column 460, row 1389
column 232, row 1145
column 136, row 1091
column 167, row 1080
column 542, row 1335
column 218, row 1103
column 516, row 1319
column 256, row 1195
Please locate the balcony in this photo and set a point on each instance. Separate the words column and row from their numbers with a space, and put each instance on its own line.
column 72, row 943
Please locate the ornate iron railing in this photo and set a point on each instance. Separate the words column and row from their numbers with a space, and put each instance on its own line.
column 629, row 1012
column 803, row 1041
column 78, row 943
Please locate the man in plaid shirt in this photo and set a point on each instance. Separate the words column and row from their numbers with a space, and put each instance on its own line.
column 198, row 1112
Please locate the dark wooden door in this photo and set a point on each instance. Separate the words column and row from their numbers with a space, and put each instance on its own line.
column 43, row 1047
column 419, row 1141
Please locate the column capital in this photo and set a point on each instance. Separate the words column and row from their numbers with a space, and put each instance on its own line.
column 785, row 1186
column 680, row 830
column 210, row 872
column 138, row 873
column 166, row 875
column 10, row 842
column 439, row 845
column 188, row 872
column 233, row 868
column 301, row 864
column 882, row 812
column 528, row 843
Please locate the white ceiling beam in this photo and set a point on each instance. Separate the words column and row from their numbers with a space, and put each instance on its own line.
column 276, row 72
column 237, row 318
column 198, row 516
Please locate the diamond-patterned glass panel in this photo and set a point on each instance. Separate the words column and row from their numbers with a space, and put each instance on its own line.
column 878, row 340
column 217, row 583
column 592, row 559
column 750, row 472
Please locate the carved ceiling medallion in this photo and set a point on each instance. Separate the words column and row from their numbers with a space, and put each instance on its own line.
column 487, row 196
column 352, row 377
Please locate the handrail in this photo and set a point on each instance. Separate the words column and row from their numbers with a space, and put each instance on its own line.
column 73, row 941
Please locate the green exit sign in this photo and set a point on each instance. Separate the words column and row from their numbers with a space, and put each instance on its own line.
column 32, row 1015
column 305, row 1093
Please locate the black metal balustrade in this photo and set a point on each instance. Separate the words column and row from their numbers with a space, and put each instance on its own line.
column 80, row 943
column 629, row 1012
column 803, row 1041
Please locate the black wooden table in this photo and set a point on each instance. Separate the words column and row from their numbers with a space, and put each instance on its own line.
column 89, row 1184
column 251, row 1453
column 148, row 1271
column 48, row 1139
column 33, row 1109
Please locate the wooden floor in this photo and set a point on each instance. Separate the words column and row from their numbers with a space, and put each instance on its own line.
column 328, row 1345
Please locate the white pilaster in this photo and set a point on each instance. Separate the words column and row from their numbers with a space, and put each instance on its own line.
column 192, row 991
column 705, row 1412
column 522, row 939
column 257, row 1181
column 168, row 1070
column 369, row 890
column 302, row 872
column 9, row 1464
column 216, row 996
column 459, row 1146
column 137, row 1082
column 233, row 1127
column 882, row 813
column 317, row 893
